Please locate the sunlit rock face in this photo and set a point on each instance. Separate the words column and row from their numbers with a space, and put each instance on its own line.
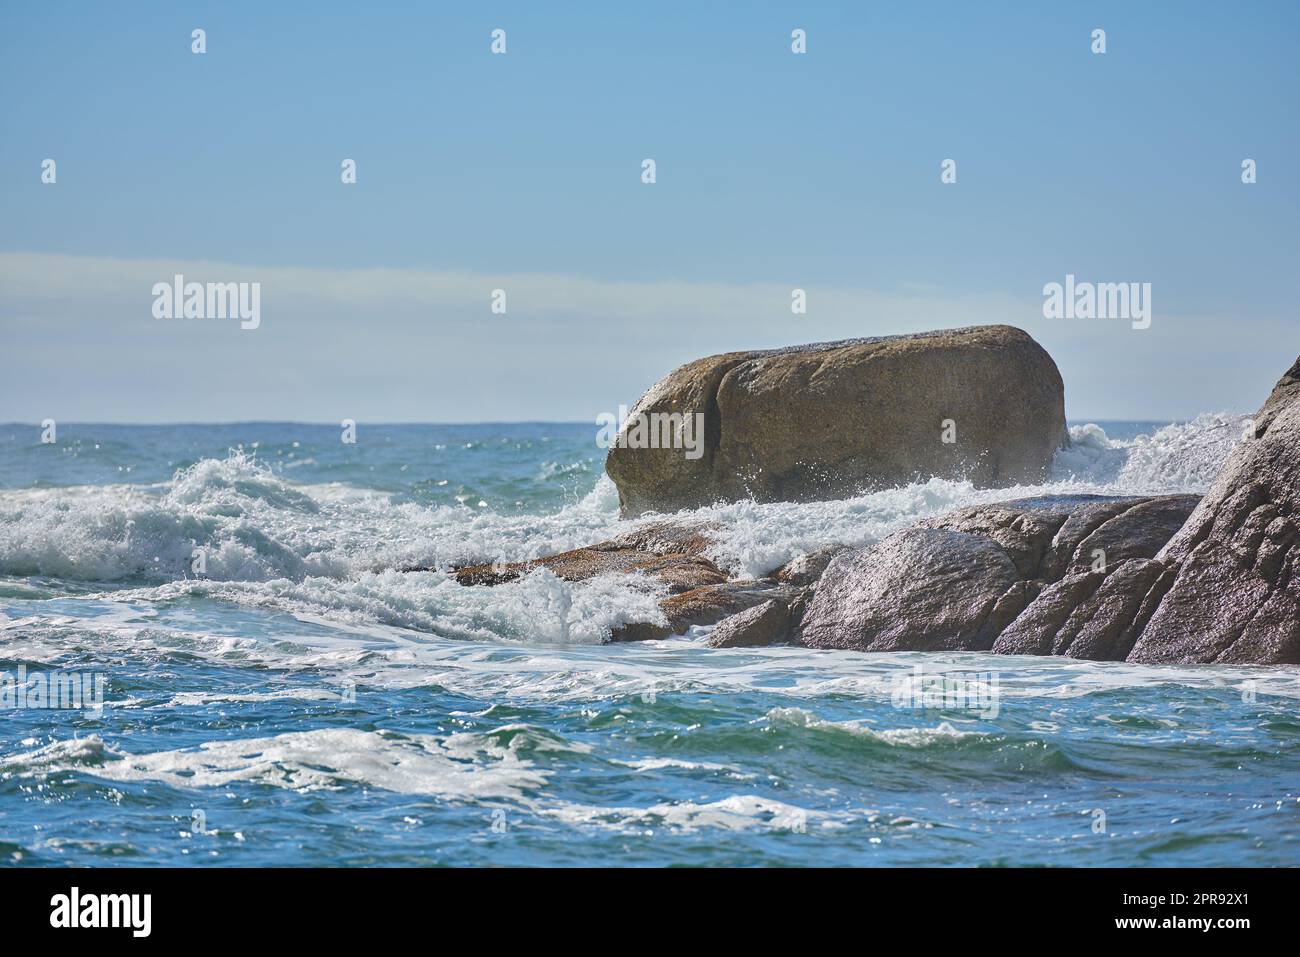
column 830, row 420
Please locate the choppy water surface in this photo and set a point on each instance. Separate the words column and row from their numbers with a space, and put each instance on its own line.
column 302, row 701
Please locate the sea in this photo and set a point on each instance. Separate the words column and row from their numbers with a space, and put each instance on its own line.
column 211, row 653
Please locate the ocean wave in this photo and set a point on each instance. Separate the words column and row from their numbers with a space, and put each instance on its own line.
column 192, row 699
column 943, row 733
column 953, row 752
column 627, row 678
column 1181, row 457
column 234, row 530
column 690, row 769
column 464, row 767
column 249, row 524
column 536, row 607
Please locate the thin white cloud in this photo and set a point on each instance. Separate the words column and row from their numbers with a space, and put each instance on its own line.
column 41, row 277
column 423, row 345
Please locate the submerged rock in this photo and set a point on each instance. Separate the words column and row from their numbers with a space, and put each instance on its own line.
column 827, row 420
column 668, row 551
column 699, row 592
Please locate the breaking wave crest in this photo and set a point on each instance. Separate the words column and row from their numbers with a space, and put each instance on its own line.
column 1182, row 457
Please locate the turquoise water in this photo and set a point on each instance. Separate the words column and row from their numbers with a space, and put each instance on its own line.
column 298, row 699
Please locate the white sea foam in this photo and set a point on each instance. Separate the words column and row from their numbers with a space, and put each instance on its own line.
column 658, row 764
column 1181, row 457
column 899, row 737
column 536, row 607
column 458, row 767
column 253, row 525
column 190, row 699
column 333, row 553
column 479, row 767
column 615, row 677
column 739, row 812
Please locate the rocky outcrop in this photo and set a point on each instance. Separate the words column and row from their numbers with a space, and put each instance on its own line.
column 1094, row 614
column 919, row 590
column 967, row 580
column 1230, row 587
column 1145, row 580
column 1159, row 579
column 829, row 420
column 1226, row 586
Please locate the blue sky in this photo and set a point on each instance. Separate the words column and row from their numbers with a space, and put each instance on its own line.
column 522, row 171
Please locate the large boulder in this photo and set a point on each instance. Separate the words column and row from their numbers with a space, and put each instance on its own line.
column 967, row 580
column 831, row 419
column 1230, row 591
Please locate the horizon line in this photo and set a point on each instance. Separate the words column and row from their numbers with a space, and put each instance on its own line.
column 1069, row 419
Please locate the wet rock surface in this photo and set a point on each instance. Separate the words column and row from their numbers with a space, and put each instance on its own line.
column 1004, row 577
column 1158, row 580
column 1230, row 591
column 921, row 589
column 765, row 624
column 806, row 569
column 668, row 551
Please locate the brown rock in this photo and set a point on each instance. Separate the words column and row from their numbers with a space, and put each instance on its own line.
column 706, row 606
column 827, row 420
column 668, row 551
column 1087, row 614
column 806, row 569
column 1139, row 531
column 1024, row 532
column 765, row 624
